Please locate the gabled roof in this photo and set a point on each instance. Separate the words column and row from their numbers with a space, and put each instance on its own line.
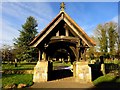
column 70, row 22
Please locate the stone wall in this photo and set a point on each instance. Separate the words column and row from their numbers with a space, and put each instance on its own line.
column 82, row 72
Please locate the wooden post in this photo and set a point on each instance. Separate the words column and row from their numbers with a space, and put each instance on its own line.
column 44, row 56
column 84, row 55
column 39, row 58
column 67, row 32
column 77, row 53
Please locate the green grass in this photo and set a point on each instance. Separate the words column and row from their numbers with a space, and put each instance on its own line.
column 56, row 63
column 106, row 78
column 9, row 79
column 30, row 66
column 19, row 67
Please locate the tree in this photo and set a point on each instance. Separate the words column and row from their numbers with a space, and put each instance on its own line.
column 118, row 46
column 91, row 52
column 6, row 53
column 112, row 37
column 27, row 34
column 102, row 38
column 107, row 37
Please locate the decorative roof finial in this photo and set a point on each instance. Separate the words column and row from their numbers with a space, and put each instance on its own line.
column 62, row 6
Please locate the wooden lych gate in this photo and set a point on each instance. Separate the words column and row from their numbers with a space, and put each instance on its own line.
column 62, row 38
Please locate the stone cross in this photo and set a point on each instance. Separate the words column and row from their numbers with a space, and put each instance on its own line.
column 62, row 6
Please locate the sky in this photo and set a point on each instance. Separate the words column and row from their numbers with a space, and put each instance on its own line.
column 86, row 14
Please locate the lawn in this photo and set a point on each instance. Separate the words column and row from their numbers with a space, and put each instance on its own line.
column 58, row 63
column 8, row 79
column 30, row 66
column 20, row 66
column 107, row 81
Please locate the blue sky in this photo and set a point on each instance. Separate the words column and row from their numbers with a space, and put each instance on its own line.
column 86, row 14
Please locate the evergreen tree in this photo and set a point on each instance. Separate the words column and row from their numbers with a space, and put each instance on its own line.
column 27, row 34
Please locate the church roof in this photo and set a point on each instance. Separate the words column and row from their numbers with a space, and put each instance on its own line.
column 70, row 22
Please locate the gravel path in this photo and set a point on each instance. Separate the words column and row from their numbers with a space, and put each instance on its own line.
column 69, row 82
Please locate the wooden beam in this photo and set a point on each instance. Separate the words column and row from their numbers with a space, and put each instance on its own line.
column 79, row 34
column 48, row 31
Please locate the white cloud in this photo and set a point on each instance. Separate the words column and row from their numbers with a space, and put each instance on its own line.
column 38, row 9
column 115, row 19
column 15, row 14
column 20, row 11
column 89, row 29
column 8, row 33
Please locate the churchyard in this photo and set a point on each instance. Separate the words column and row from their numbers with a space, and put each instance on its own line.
column 20, row 75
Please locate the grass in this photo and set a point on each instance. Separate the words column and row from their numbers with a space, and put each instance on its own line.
column 9, row 79
column 19, row 67
column 30, row 66
column 58, row 63
column 107, row 78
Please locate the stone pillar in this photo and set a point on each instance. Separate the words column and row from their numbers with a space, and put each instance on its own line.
column 42, row 71
column 82, row 72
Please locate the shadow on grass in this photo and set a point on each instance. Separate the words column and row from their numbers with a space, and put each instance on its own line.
column 107, row 85
column 7, row 75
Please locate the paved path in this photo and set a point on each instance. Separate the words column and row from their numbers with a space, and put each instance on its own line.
column 69, row 82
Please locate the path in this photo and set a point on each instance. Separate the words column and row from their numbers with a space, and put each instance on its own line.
column 68, row 82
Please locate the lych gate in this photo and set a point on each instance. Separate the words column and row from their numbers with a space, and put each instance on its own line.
column 62, row 38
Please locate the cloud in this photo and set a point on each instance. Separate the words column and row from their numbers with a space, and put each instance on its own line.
column 8, row 33
column 43, row 11
column 115, row 19
column 89, row 29
column 15, row 14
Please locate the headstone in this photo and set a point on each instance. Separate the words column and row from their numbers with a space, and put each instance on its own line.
column 41, row 71
column 21, row 85
column 82, row 72
column 15, row 62
column 103, row 68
